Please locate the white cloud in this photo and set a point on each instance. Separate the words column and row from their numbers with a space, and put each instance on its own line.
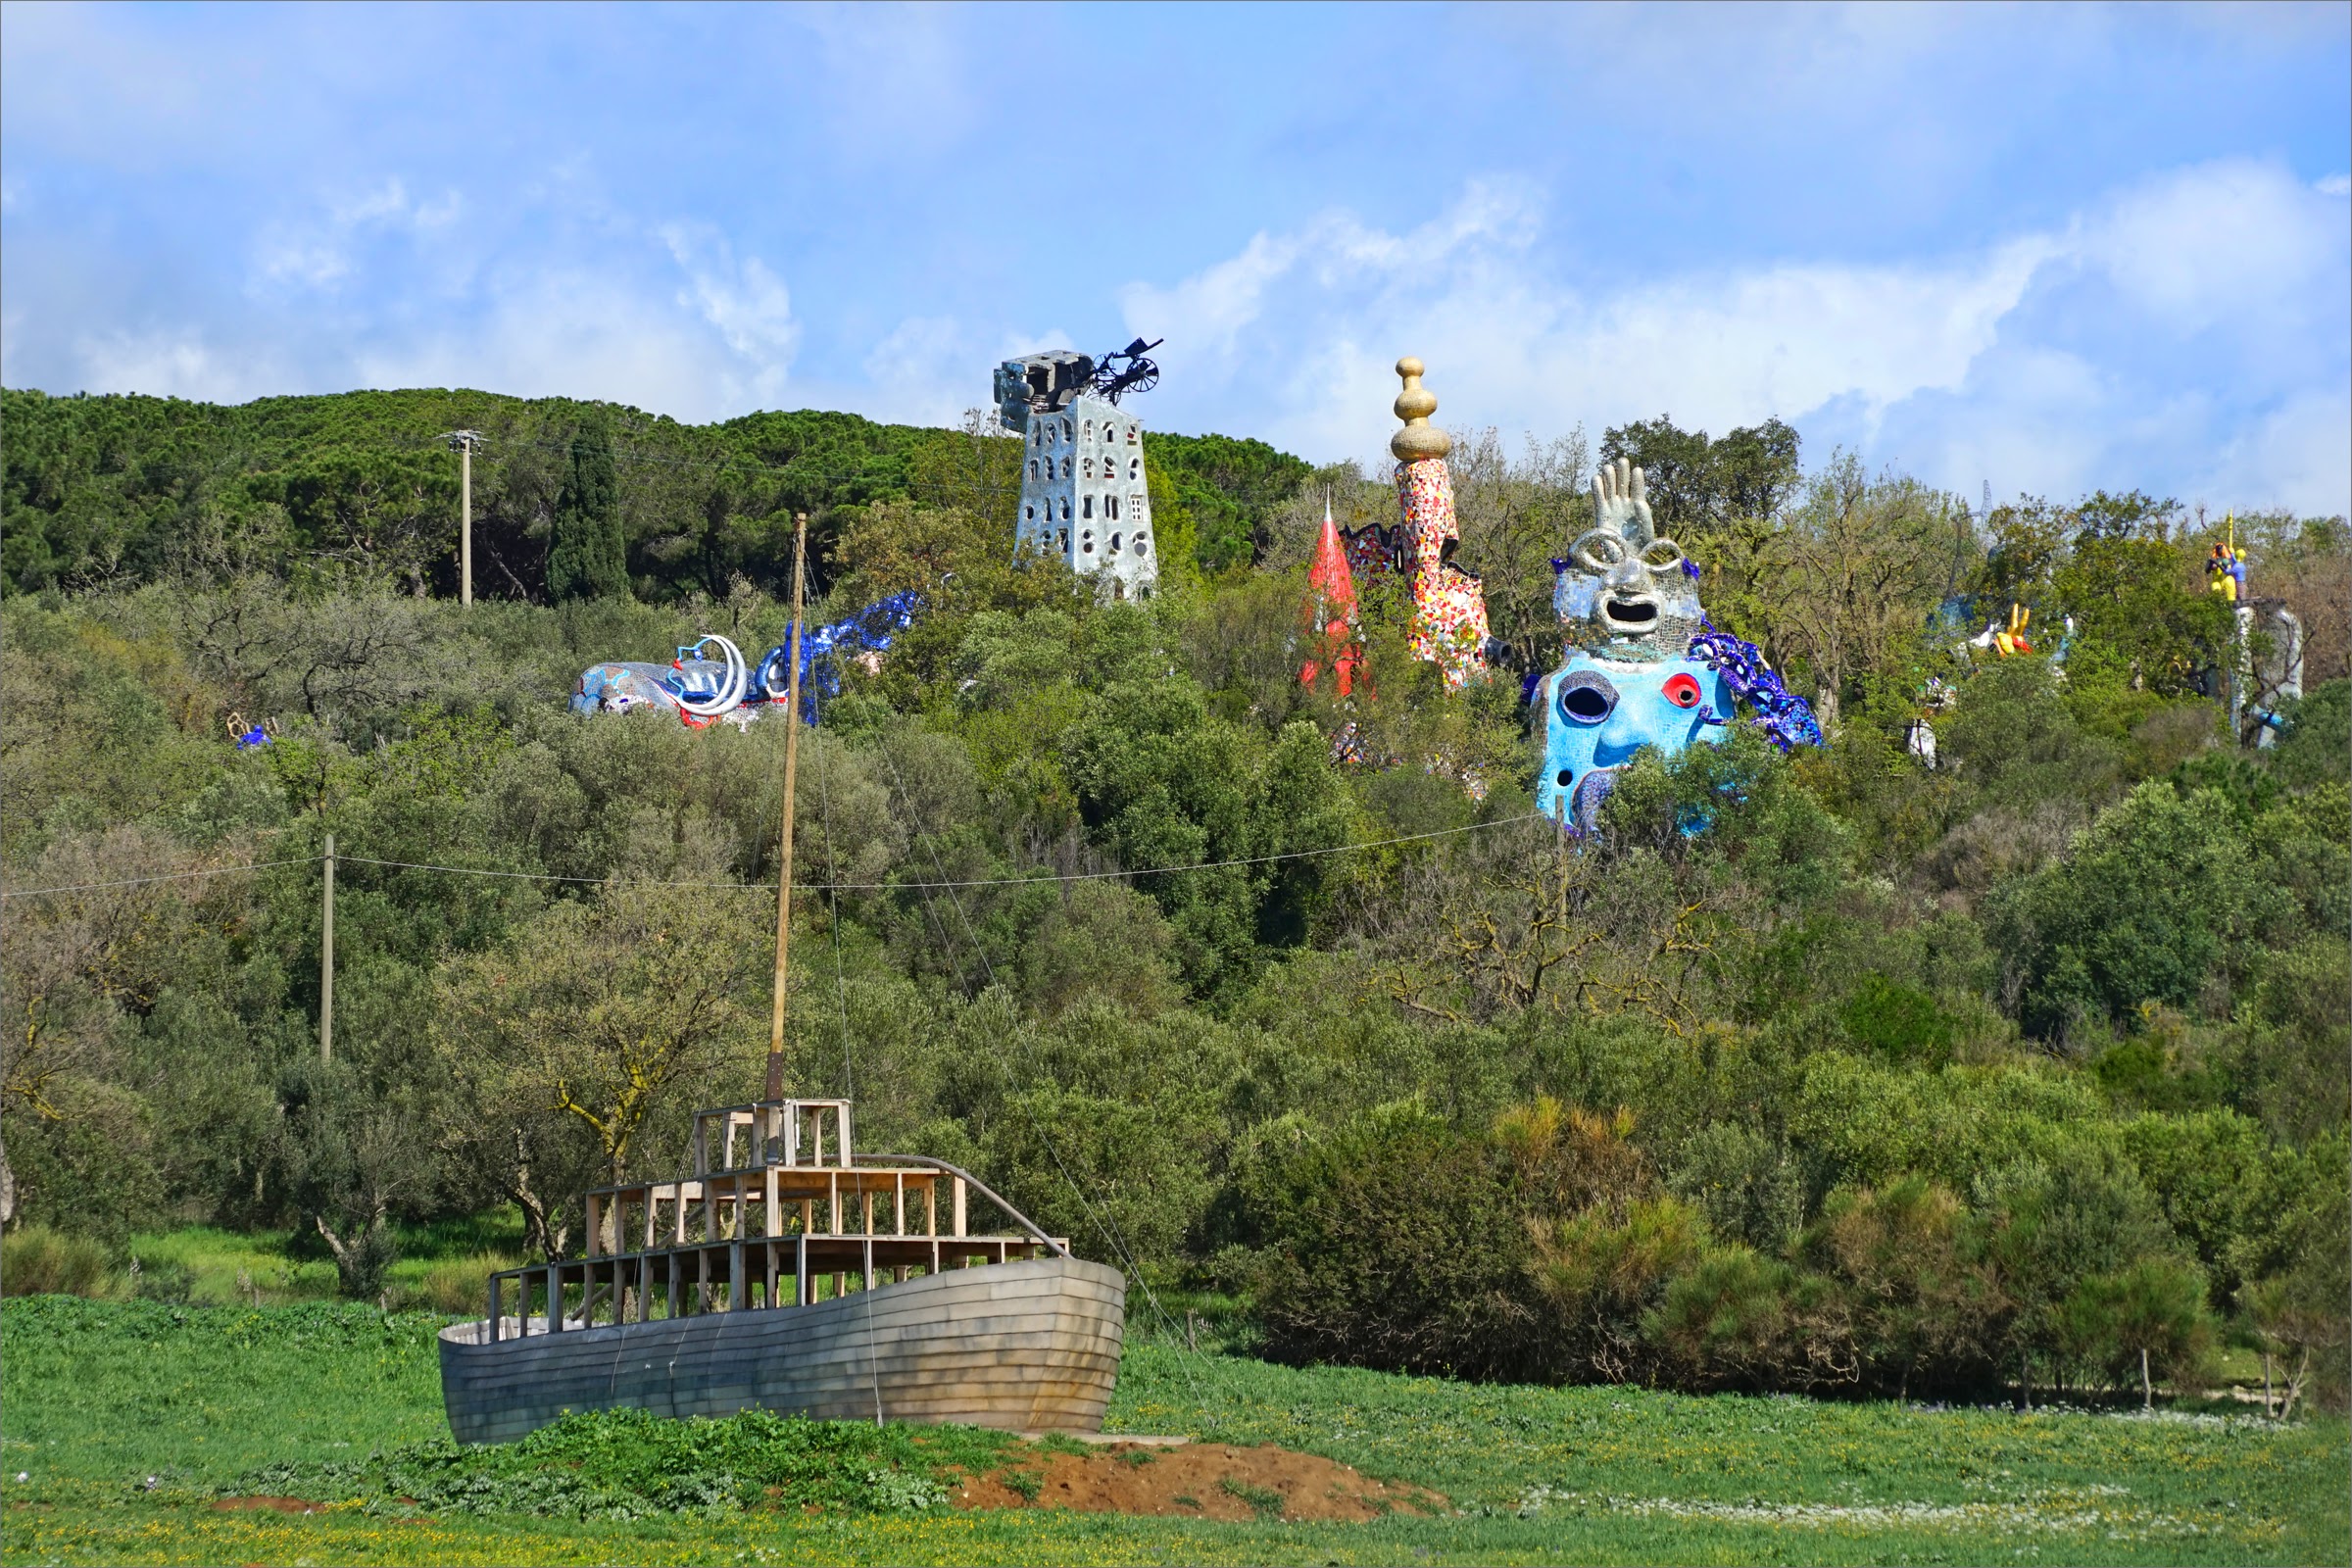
column 2335, row 185
column 2113, row 348
column 316, row 252
column 747, row 303
column 568, row 333
column 177, row 365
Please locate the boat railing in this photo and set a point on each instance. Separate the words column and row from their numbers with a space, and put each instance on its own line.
column 775, row 1132
column 730, row 1240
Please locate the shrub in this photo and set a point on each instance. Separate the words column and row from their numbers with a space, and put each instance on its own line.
column 458, row 1286
column 1394, row 1242
column 1741, row 1320
column 1603, row 1273
column 2153, row 1307
column 36, row 1261
column 1916, row 1296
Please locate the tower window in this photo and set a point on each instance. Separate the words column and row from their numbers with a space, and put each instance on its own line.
column 1086, row 507
column 1086, row 542
column 1065, row 508
column 1029, row 513
column 1143, row 543
column 1116, row 541
column 1066, row 468
column 1061, row 541
column 1089, row 468
column 1066, row 430
column 1032, row 467
column 1135, row 467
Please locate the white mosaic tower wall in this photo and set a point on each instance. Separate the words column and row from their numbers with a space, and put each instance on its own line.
column 1083, row 496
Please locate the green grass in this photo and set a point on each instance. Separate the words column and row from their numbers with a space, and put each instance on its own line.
column 230, row 1267
column 100, row 1396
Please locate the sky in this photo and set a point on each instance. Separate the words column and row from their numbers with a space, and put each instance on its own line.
column 2047, row 249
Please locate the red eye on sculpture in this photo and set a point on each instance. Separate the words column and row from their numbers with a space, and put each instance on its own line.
column 1682, row 691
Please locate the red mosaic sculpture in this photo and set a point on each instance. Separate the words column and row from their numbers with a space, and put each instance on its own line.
column 1329, row 613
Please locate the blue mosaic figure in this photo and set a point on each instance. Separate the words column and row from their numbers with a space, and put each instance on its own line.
column 1644, row 665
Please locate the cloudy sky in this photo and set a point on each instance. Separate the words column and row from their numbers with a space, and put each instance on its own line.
column 2052, row 249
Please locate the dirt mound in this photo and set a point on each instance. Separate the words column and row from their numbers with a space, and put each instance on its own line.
column 1194, row 1481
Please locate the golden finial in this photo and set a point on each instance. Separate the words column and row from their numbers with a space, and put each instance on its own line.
column 1414, row 405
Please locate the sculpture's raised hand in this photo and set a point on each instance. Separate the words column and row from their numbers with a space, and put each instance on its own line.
column 1621, row 504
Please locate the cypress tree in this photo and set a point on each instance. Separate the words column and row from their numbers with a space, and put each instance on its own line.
column 587, row 558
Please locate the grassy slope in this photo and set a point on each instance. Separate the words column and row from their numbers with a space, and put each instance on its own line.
column 99, row 1396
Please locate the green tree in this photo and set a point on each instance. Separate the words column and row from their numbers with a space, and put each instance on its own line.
column 1697, row 485
column 587, row 557
column 2162, row 900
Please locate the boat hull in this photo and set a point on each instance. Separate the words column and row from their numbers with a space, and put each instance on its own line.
column 1025, row 1347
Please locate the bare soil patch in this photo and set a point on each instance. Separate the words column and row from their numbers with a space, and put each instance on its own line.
column 268, row 1504
column 1195, row 1480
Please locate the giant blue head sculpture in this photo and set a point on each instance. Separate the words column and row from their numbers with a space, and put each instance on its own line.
column 1644, row 666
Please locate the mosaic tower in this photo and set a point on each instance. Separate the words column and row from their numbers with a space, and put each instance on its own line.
column 1083, row 493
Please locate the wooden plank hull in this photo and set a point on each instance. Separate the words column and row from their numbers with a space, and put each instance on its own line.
column 1025, row 1347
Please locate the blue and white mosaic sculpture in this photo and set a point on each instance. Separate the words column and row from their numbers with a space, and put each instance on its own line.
column 1645, row 667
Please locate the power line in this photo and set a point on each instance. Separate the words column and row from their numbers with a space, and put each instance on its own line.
column 975, row 882
column 801, row 887
column 168, row 876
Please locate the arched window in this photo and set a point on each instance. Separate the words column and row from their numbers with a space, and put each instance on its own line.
column 1065, row 508
column 1032, row 467
column 1066, row 430
column 1086, row 430
column 1116, row 540
column 1086, row 506
column 1066, row 468
column 1089, row 468
column 1029, row 513
column 1061, row 541
column 1135, row 469
column 1133, row 434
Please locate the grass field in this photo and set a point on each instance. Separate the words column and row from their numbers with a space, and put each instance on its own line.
column 123, row 1418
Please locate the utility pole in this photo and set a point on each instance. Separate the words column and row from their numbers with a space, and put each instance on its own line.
column 464, row 441
column 326, row 959
column 792, row 758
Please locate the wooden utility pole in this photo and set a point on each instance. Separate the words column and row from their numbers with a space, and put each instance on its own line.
column 792, row 759
column 464, row 441
column 327, row 958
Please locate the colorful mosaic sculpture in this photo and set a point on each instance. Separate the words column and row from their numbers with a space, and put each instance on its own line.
column 705, row 691
column 1450, row 611
column 1644, row 665
column 1329, row 613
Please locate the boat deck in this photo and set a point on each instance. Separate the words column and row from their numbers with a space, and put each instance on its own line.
column 767, row 1220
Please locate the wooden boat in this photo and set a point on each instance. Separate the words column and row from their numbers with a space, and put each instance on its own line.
column 784, row 1275
column 771, row 1277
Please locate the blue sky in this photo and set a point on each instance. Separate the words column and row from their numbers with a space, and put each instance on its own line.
column 2052, row 249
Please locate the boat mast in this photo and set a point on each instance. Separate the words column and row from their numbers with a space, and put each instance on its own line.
column 792, row 758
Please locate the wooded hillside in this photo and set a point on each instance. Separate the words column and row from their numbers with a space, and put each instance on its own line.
column 1890, row 1079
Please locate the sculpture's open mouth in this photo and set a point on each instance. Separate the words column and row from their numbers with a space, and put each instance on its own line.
column 1629, row 614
